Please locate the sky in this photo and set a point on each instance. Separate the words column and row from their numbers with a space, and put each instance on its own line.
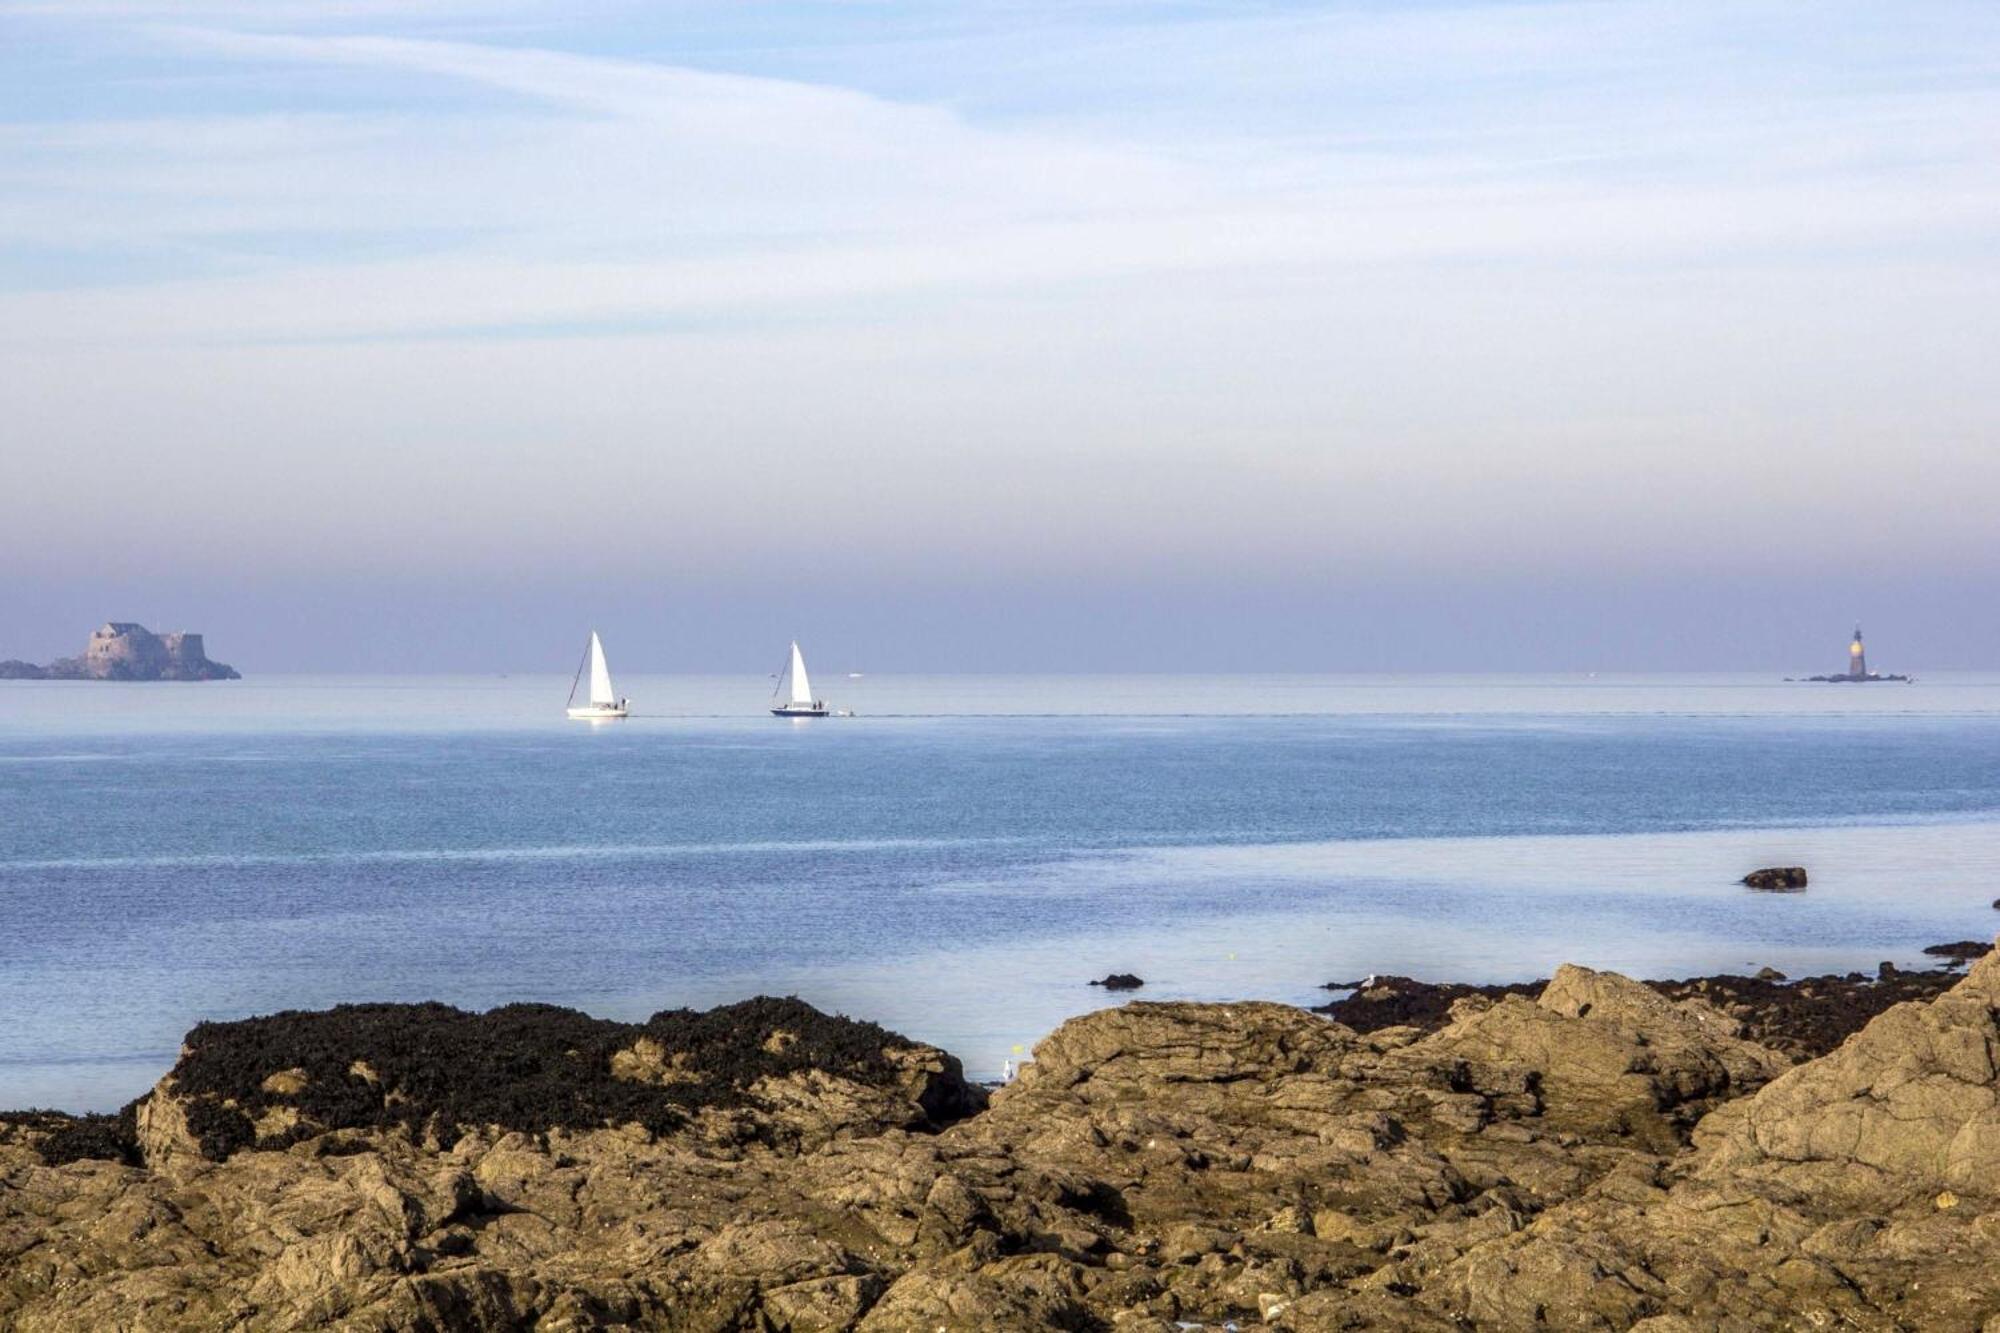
column 1039, row 335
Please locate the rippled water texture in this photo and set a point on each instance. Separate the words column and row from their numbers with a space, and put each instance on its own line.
column 959, row 858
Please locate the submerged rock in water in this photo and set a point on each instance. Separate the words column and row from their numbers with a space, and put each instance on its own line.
column 1120, row 981
column 1777, row 879
column 1960, row 951
column 1598, row 1153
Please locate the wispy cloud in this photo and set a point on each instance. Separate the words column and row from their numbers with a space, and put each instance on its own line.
column 617, row 189
column 1627, row 268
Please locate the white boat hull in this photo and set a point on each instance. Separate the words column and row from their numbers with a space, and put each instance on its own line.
column 798, row 710
column 593, row 712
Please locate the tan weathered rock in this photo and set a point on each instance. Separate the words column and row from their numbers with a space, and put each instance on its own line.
column 1612, row 1056
column 1029, row 1294
column 1530, row 1165
column 1908, row 1107
column 164, row 1138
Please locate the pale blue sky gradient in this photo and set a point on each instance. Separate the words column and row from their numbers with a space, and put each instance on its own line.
column 1589, row 334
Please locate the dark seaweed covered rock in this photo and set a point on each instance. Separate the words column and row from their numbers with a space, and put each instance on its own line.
column 434, row 1071
column 1777, row 879
column 1961, row 951
column 1390, row 1001
column 1809, row 1017
column 59, row 1139
column 1120, row 981
column 1803, row 1019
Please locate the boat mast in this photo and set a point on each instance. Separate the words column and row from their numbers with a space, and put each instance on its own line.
column 784, row 675
column 577, row 679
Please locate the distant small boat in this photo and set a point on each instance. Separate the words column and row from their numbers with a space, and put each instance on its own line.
column 604, row 702
column 794, row 696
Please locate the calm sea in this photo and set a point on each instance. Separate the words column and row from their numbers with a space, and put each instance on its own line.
column 958, row 859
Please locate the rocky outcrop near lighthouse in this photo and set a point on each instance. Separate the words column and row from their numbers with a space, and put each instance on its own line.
column 122, row 650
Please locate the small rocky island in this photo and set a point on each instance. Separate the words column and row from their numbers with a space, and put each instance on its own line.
column 122, row 650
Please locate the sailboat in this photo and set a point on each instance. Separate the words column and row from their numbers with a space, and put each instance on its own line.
column 603, row 701
column 797, row 700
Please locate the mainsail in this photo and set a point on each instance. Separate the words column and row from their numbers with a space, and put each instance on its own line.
column 600, row 675
column 801, row 687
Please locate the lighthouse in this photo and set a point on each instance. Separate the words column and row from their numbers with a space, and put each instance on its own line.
column 1857, row 666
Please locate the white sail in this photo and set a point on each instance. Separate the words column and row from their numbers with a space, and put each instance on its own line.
column 801, row 687
column 600, row 675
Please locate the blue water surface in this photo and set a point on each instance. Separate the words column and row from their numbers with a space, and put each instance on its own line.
column 956, row 859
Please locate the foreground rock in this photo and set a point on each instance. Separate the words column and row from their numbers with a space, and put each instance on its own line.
column 120, row 650
column 1597, row 1155
column 1777, row 879
column 1857, row 1191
